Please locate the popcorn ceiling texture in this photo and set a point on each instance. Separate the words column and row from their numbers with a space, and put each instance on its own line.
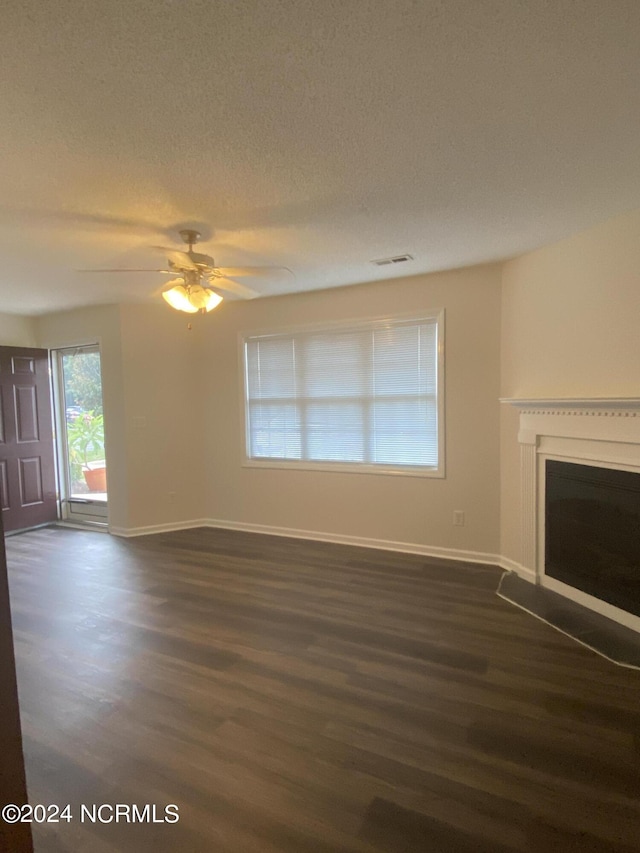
column 316, row 135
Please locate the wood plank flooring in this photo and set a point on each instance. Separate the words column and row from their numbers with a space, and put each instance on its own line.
column 306, row 697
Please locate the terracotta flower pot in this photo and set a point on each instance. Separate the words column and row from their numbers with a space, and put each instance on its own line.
column 96, row 478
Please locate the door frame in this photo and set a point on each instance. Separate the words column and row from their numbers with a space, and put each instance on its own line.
column 82, row 511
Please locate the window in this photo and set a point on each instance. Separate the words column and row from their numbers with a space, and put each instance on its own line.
column 364, row 397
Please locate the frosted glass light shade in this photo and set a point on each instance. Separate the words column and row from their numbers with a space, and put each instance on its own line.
column 203, row 297
column 213, row 300
column 192, row 298
column 178, row 298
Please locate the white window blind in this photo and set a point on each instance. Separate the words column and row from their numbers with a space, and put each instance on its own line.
column 361, row 396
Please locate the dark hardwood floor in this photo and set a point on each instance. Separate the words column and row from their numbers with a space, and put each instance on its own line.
column 307, row 697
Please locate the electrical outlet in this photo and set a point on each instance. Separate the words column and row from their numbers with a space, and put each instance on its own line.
column 458, row 518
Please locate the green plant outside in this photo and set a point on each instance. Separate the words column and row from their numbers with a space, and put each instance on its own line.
column 85, row 437
column 82, row 381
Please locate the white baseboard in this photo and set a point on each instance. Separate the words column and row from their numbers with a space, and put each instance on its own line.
column 360, row 541
column 520, row 570
column 318, row 536
column 127, row 532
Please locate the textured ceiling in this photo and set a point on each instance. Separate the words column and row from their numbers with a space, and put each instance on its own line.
column 314, row 135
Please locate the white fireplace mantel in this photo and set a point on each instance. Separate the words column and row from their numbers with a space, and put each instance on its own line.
column 612, row 406
column 613, row 419
column 602, row 431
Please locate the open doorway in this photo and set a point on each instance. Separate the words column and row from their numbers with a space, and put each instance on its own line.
column 80, row 430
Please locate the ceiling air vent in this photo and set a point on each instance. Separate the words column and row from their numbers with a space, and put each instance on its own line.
column 396, row 259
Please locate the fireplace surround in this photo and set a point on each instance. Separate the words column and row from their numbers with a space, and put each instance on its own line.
column 599, row 435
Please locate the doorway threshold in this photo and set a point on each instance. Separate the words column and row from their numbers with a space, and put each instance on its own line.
column 98, row 526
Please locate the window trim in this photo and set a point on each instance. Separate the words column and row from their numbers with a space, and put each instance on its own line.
column 438, row 472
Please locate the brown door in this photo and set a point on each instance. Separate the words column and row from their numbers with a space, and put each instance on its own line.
column 13, row 788
column 27, row 467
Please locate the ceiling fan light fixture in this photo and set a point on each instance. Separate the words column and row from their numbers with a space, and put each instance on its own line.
column 200, row 282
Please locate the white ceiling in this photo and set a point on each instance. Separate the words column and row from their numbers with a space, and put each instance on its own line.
column 314, row 134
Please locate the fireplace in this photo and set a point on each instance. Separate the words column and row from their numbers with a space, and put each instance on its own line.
column 580, row 502
column 592, row 531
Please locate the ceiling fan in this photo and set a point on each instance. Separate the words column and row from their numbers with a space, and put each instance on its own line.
column 201, row 285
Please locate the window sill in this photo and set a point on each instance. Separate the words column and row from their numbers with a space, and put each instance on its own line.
column 346, row 468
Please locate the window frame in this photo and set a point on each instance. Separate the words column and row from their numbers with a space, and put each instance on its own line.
column 438, row 472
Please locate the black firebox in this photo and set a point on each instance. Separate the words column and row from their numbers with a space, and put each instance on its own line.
column 592, row 531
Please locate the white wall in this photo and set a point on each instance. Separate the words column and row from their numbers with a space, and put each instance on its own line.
column 17, row 331
column 174, row 431
column 166, row 445
column 398, row 509
column 150, row 371
column 570, row 328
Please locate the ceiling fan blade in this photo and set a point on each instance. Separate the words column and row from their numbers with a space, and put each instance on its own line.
column 234, row 288
column 242, row 272
column 181, row 259
column 168, row 272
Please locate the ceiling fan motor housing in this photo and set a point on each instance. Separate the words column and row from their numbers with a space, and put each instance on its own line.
column 191, row 238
